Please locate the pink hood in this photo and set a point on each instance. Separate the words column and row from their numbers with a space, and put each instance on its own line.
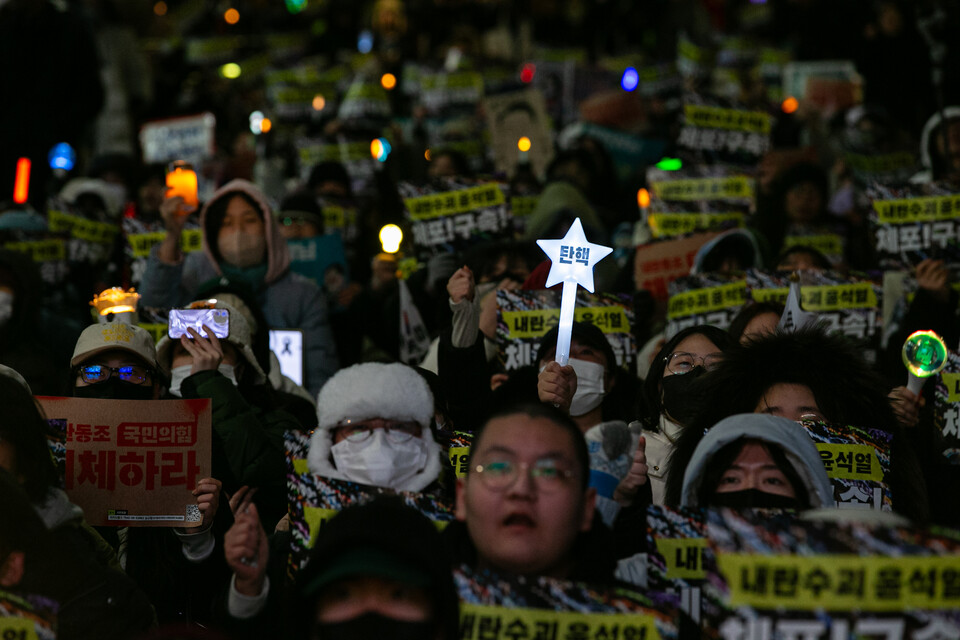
column 278, row 258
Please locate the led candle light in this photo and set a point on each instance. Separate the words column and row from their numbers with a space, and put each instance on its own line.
column 572, row 259
column 182, row 181
column 924, row 355
column 21, row 185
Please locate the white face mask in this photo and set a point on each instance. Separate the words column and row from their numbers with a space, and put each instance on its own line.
column 242, row 250
column 179, row 374
column 378, row 461
column 6, row 307
column 590, row 391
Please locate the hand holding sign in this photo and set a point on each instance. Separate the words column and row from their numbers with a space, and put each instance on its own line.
column 572, row 260
column 924, row 355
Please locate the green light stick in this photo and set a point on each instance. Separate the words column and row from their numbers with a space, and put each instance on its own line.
column 924, row 355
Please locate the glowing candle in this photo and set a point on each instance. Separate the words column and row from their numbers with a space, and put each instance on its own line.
column 182, row 181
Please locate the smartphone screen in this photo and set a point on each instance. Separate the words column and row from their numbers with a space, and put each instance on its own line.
column 181, row 319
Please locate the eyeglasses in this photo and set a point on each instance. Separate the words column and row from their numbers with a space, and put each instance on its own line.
column 682, row 362
column 395, row 432
column 548, row 474
column 94, row 373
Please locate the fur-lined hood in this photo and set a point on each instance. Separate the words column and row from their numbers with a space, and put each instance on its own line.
column 374, row 390
column 786, row 434
column 278, row 257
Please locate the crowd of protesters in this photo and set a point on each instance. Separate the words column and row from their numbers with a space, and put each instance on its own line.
column 403, row 352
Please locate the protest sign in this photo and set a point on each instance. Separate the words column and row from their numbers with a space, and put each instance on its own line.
column 313, row 500
column 313, row 257
column 352, row 153
column 27, row 616
column 944, row 390
column 287, row 345
column 712, row 299
column 657, row 264
column 455, row 216
column 848, row 305
column 911, row 223
column 828, row 85
column 780, row 576
column 517, row 115
column 523, row 317
column 724, row 133
column 141, row 238
column 125, row 469
column 189, row 138
column 827, row 239
column 442, row 91
column 366, row 101
column 50, row 255
column 493, row 606
column 857, row 461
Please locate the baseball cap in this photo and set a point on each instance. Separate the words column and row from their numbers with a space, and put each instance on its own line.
column 115, row 335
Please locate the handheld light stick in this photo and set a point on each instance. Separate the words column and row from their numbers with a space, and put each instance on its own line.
column 924, row 355
column 572, row 259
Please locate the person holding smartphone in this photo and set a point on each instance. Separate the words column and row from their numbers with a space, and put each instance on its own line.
column 242, row 242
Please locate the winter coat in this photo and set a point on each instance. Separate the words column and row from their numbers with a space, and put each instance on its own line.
column 79, row 571
column 288, row 300
column 248, row 444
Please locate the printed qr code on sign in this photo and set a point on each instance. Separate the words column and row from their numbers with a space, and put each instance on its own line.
column 193, row 513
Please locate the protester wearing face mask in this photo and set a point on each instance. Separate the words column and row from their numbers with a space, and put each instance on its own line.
column 241, row 240
column 756, row 460
column 374, row 428
column 247, row 425
column 117, row 361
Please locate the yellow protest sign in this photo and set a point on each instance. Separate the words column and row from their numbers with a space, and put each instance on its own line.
column 850, row 461
column 315, row 518
column 859, row 295
column 912, row 210
column 535, row 323
column 453, row 202
column 701, row 301
column 478, row 622
column 666, row 225
column 704, row 188
column 721, row 118
column 141, row 243
column 683, row 557
column 952, row 382
column 459, row 457
column 81, row 228
column 842, row 582
column 40, row 250
column 17, row 629
column 156, row 329
column 829, row 244
column 523, row 206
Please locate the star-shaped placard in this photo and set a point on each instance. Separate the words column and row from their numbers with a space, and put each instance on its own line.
column 573, row 257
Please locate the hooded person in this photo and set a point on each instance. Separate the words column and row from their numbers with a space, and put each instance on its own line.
column 938, row 161
column 241, row 240
column 374, row 427
column 756, row 460
column 806, row 374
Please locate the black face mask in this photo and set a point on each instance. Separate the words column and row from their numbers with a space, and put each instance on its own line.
column 115, row 389
column 676, row 399
column 753, row 499
column 373, row 625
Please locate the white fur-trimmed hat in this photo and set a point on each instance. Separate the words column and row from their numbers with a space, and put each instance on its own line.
column 367, row 391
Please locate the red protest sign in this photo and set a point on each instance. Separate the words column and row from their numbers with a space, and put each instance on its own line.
column 658, row 264
column 134, row 462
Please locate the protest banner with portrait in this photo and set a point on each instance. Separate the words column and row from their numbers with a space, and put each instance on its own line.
column 780, row 576
column 850, row 305
column 712, row 299
column 456, row 215
column 523, row 317
column 312, row 500
column 912, row 223
column 505, row 608
column 125, row 470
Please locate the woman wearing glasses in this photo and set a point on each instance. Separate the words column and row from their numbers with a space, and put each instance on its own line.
column 669, row 401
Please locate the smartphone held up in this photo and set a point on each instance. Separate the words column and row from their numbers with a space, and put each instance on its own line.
column 182, row 319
